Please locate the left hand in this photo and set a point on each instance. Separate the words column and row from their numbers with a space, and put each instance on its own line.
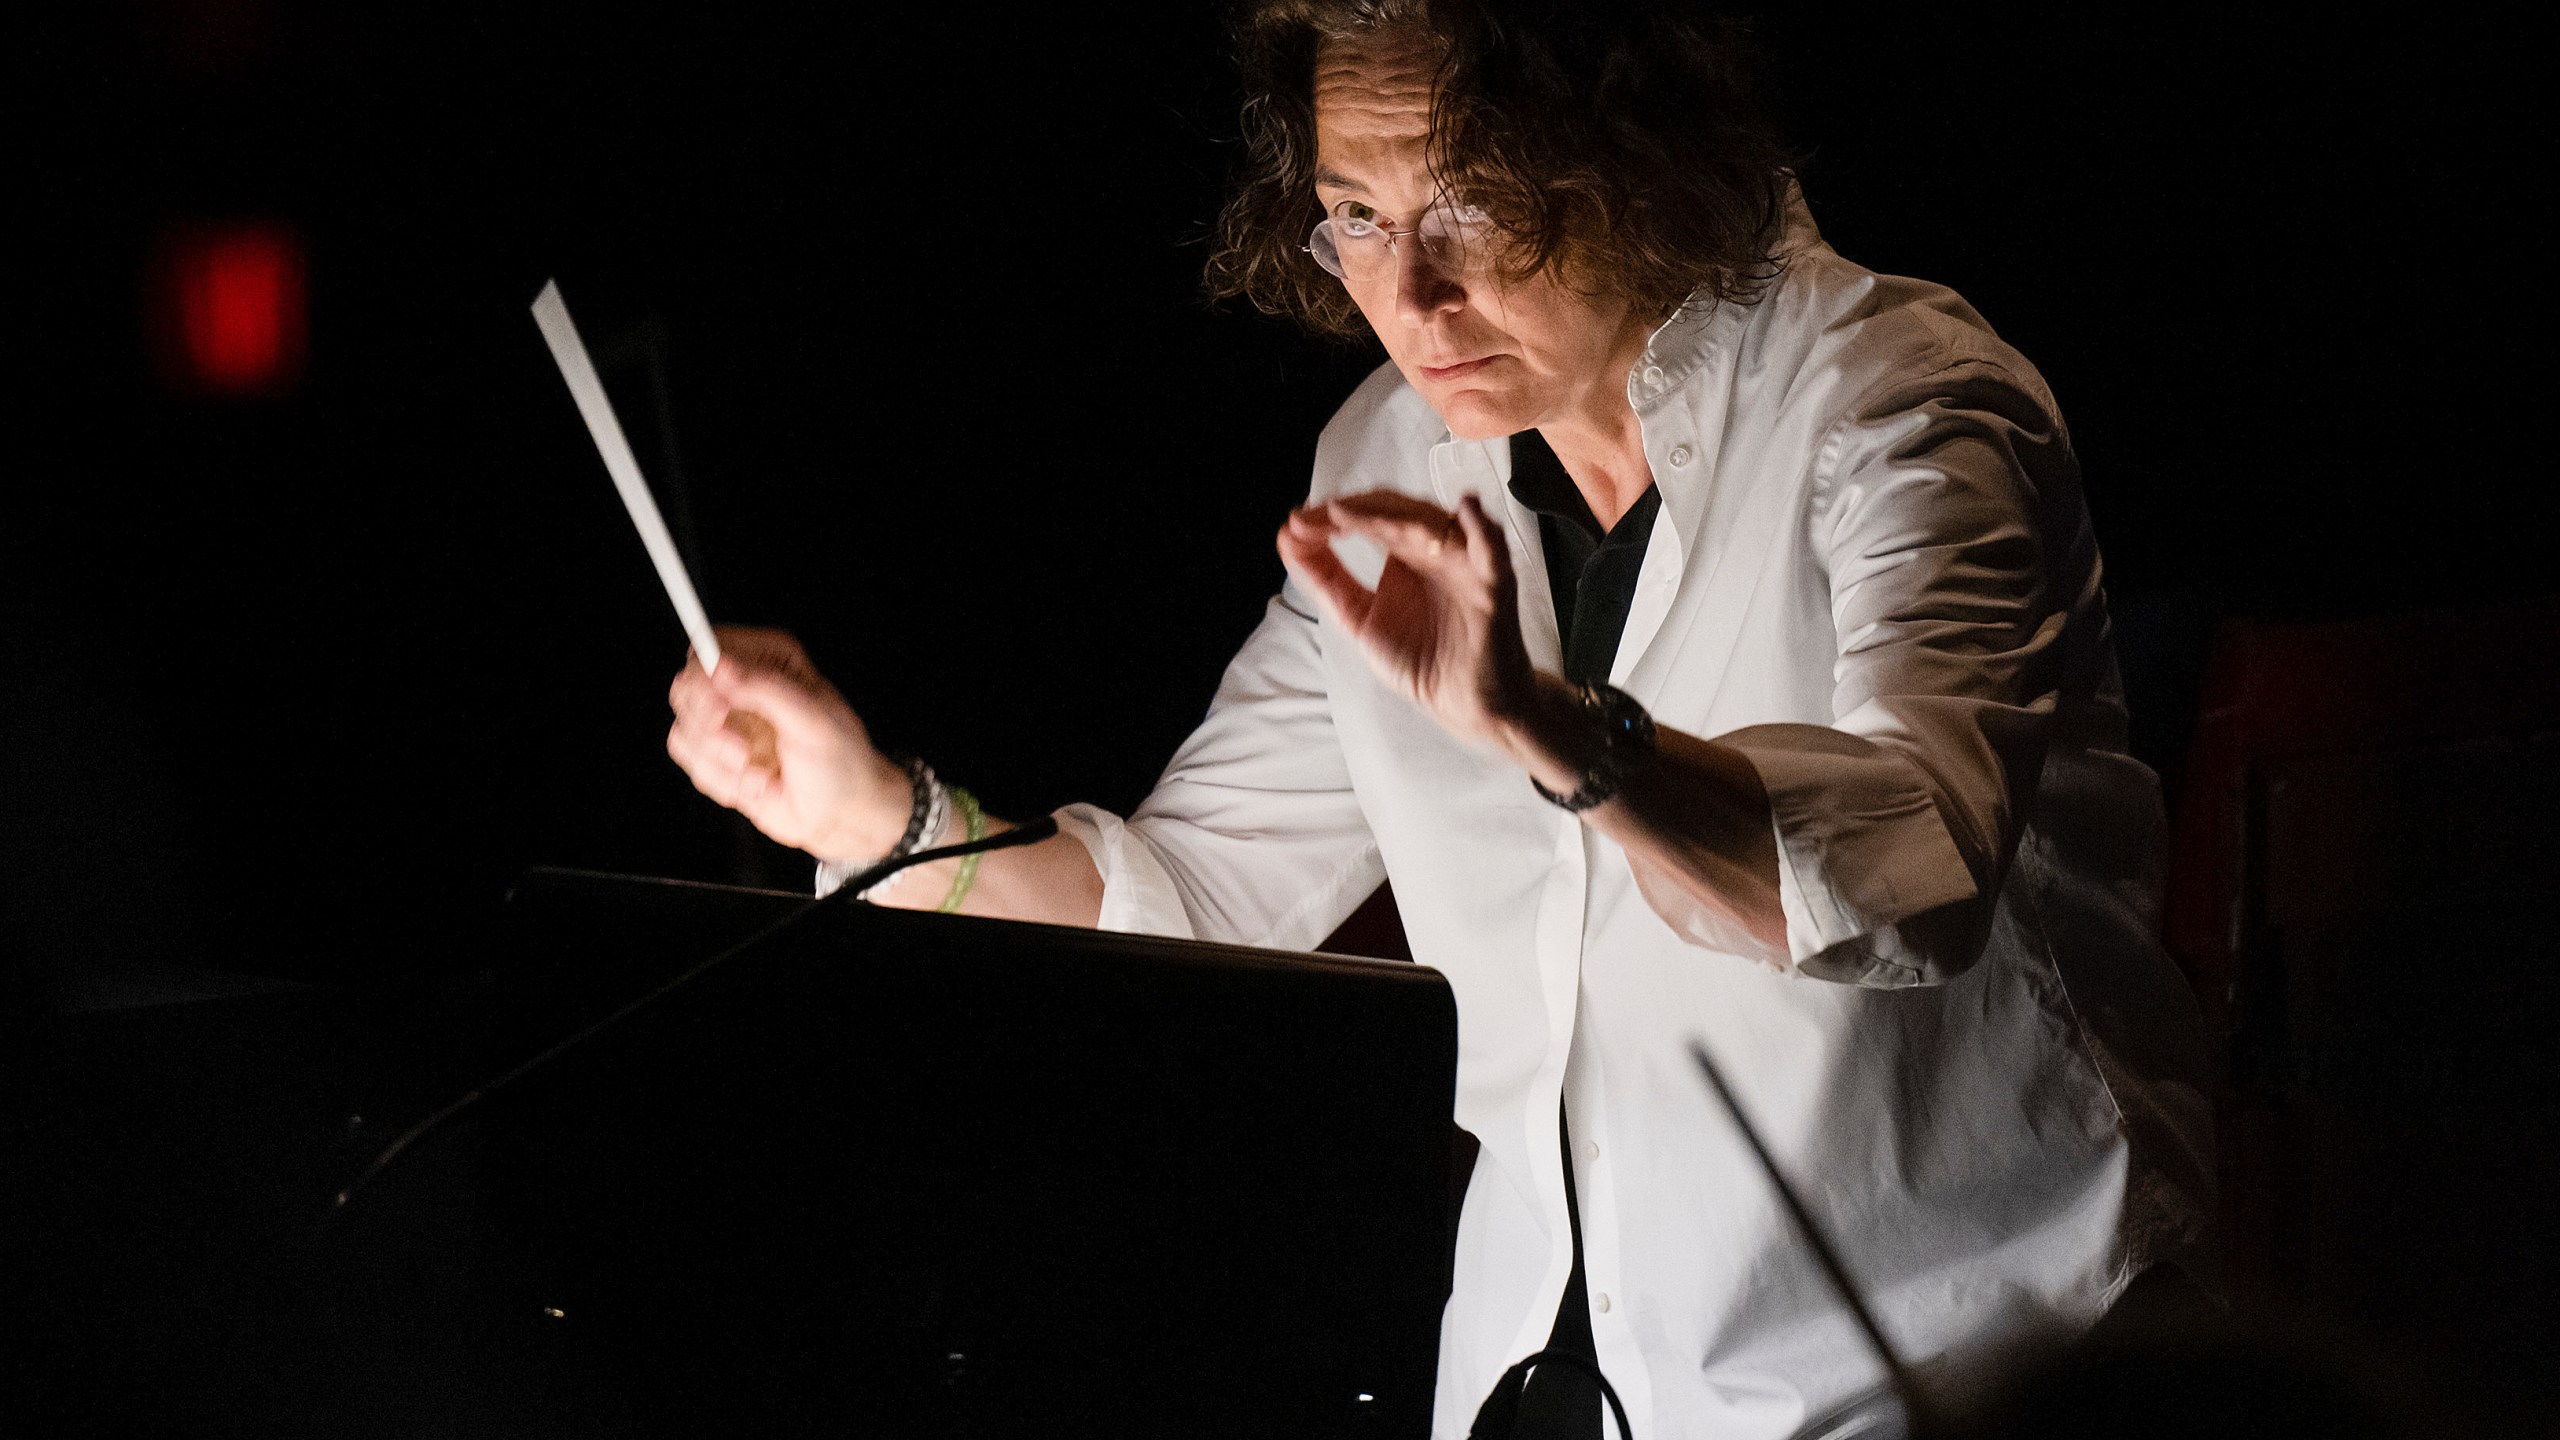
column 1443, row 625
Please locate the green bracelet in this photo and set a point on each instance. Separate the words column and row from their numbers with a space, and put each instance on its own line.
column 976, row 821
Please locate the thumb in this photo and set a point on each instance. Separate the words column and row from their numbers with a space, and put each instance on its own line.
column 798, row 716
column 1307, row 550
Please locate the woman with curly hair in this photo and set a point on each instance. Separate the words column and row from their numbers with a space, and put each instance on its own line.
column 1704, row 635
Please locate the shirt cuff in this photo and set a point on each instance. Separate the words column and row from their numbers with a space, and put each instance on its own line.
column 1138, row 895
column 1861, row 849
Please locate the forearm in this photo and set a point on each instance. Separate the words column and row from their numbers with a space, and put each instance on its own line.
column 1692, row 818
column 1051, row 881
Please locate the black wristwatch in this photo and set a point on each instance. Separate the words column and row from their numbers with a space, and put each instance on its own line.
column 1626, row 739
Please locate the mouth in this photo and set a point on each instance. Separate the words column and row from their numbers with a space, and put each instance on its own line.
column 1454, row 372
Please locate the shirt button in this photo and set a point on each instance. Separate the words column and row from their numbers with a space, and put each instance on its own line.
column 1590, row 1149
column 1653, row 376
column 1679, row 456
column 1604, row 1302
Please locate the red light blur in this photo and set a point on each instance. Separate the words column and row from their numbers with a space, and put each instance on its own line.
column 233, row 318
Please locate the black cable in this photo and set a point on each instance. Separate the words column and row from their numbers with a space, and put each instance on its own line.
column 1037, row 830
column 1040, row 829
column 1500, row 1413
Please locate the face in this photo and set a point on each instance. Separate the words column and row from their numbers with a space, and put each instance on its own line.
column 1492, row 357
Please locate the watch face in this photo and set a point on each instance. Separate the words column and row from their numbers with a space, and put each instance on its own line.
column 1626, row 735
column 1627, row 721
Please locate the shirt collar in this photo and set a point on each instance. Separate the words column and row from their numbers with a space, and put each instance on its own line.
column 1682, row 345
column 1699, row 332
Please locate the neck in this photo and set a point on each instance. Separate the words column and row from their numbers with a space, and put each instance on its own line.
column 1597, row 437
column 1603, row 451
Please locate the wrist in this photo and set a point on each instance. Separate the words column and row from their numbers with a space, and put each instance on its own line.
column 1582, row 742
column 1549, row 734
column 873, row 819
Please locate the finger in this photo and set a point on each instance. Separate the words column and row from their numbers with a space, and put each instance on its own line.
column 1310, row 522
column 713, row 775
column 759, row 640
column 695, row 702
column 1485, row 550
column 799, row 714
column 714, row 751
column 774, row 651
column 690, row 677
column 1420, row 535
column 756, row 785
column 1308, row 552
column 1388, row 505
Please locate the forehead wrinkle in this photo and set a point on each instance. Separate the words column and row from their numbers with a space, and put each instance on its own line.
column 1377, row 87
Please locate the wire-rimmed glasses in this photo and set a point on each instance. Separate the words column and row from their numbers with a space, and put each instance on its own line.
column 1355, row 243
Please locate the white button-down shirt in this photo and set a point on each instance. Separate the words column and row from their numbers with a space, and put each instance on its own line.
column 1873, row 575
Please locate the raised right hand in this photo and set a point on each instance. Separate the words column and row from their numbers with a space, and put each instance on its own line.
column 768, row 737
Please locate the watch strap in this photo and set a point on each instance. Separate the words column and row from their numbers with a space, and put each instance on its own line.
column 1627, row 736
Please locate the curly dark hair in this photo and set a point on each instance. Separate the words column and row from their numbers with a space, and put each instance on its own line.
column 1619, row 145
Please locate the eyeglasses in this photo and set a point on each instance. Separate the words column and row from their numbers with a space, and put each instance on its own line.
column 1355, row 245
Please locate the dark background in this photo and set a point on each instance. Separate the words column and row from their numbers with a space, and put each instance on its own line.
column 902, row 313
column 294, row 684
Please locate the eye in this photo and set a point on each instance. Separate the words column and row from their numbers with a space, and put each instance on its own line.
column 1355, row 218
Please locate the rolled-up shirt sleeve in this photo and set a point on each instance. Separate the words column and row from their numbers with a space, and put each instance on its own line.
column 1253, row 835
column 1964, row 597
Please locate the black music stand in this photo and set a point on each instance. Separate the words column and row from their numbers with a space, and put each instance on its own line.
column 908, row 1175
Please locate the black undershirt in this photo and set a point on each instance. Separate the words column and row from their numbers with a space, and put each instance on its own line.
column 1592, row 576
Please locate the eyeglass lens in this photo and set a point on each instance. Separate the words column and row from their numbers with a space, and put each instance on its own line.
column 1347, row 248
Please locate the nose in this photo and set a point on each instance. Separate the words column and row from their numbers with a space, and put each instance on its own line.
column 1424, row 287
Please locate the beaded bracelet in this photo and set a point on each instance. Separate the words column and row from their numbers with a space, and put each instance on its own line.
column 925, row 819
column 975, row 820
column 937, row 812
